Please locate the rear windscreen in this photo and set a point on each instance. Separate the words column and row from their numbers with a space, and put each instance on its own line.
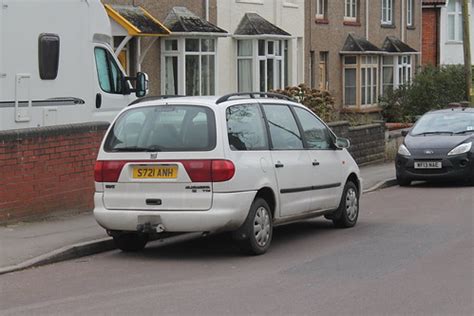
column 163, row 128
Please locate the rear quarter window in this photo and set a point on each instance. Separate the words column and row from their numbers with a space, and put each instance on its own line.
column 168, row 128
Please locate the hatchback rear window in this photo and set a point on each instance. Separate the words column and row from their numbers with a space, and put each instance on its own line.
column 163, row 128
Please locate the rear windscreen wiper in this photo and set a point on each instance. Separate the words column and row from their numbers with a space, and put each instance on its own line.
column 137, row 149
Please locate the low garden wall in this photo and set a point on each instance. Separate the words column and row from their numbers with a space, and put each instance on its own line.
column 48, row 169
column 367, row 141
column 51, row 169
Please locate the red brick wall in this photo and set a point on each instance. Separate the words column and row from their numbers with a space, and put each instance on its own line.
column 49, row 169
column 429, row 48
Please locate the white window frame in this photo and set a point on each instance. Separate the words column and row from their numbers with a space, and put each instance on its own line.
column 410, row 13
column 181, row 53
column 276, row 58
column 387, row 12
column 369, row 64
column 457, row 14
column 351, row 14
column 357, row 85
column 320, row 9
column 402, row 70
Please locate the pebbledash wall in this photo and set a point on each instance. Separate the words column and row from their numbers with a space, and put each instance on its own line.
column 48, row 169
column 51, row 169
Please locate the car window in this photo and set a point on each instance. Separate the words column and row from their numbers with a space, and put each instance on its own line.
column 450, row 122
column 163, row 128
column 245, row 128
column 283, row 128
column 110, row 76
column 317, row 135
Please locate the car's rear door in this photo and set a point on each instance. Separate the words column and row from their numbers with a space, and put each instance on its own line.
column 291, row 161
column 161, row 157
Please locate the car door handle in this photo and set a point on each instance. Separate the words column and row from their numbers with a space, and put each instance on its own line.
column 315, row 163
column 279, row 165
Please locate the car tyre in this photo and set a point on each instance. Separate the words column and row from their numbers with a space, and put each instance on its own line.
column 130, row 242
column 403, row 182
column 255, row 235
column 348, row 211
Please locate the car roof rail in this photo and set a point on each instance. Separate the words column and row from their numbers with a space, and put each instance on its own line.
column 155, row 97
column 254, row 95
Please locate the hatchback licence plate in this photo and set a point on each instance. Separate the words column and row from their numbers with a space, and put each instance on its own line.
column 428, row 165
column 155, row 172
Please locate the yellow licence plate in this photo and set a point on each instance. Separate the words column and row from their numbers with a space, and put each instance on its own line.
column 159, row 172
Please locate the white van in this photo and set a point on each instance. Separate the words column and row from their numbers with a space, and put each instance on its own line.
column 240, row 163
column 57, row 65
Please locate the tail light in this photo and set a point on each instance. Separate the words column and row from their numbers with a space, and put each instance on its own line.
column 198, row 170
column 108, row 171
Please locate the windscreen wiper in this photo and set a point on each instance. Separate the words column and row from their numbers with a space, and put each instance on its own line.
column 434, row 133
column 137, row 149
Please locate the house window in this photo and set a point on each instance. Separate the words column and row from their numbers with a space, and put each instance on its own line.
column 410, row 13
column 350, row 80
column 387, row 74
column 323, row 71
column 189, row 66
column 403, row 70
column 396, row 71
column 387, row 11
column 454, row 21
column 368, row 79
column 350, row 10
column 261, row 64
column 321, row 9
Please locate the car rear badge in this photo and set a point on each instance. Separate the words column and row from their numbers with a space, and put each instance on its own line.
column 429, row 152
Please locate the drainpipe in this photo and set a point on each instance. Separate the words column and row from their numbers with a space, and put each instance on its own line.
column 206, row 4
column 402, row 24
column 367, row 19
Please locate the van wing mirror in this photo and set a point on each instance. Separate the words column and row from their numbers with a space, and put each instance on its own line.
column 405, row 132
column 342, row 143
column 141, row 85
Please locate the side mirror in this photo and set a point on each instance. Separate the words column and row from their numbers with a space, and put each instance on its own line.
column 405, row 132
column 342, row 143
column 141, row 88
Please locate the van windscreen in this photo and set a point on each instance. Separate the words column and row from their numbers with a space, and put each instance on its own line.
column 167, row 128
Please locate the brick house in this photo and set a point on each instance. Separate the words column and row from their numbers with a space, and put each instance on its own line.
column 442, row 32
column 358, row 51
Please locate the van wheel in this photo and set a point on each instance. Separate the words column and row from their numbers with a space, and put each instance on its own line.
column 348, row 211
column 130, row 242
column 255, row 235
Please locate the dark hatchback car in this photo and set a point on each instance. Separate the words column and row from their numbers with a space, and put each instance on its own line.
column 439, row 147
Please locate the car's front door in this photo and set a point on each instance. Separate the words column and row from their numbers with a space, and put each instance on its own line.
column 327, row 161
column 291, row 161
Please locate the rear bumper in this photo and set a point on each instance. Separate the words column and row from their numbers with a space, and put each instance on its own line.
column 228, row 212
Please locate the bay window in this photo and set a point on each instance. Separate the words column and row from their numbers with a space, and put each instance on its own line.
column 397, row 70
column 189, row 66
column 261, row 64
column 360, row 80
column 368, row 79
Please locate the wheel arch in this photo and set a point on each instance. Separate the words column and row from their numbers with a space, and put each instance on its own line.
column 268, row 195
column 355, row 179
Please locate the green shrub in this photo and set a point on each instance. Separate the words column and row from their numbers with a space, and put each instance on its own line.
column 320, row 102
column 432, row 88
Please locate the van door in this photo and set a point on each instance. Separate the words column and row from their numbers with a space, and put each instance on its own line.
column 110, row 97
column 291, row 161
column 326, row 161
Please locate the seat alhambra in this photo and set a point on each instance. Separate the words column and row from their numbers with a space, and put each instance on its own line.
column 241, row 163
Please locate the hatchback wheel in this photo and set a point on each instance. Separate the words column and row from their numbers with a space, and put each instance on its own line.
column 348, row 211
column 130, row 242
column 256, row 233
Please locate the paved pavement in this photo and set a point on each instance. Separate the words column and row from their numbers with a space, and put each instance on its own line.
column 412, row 253
column 31, row 243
